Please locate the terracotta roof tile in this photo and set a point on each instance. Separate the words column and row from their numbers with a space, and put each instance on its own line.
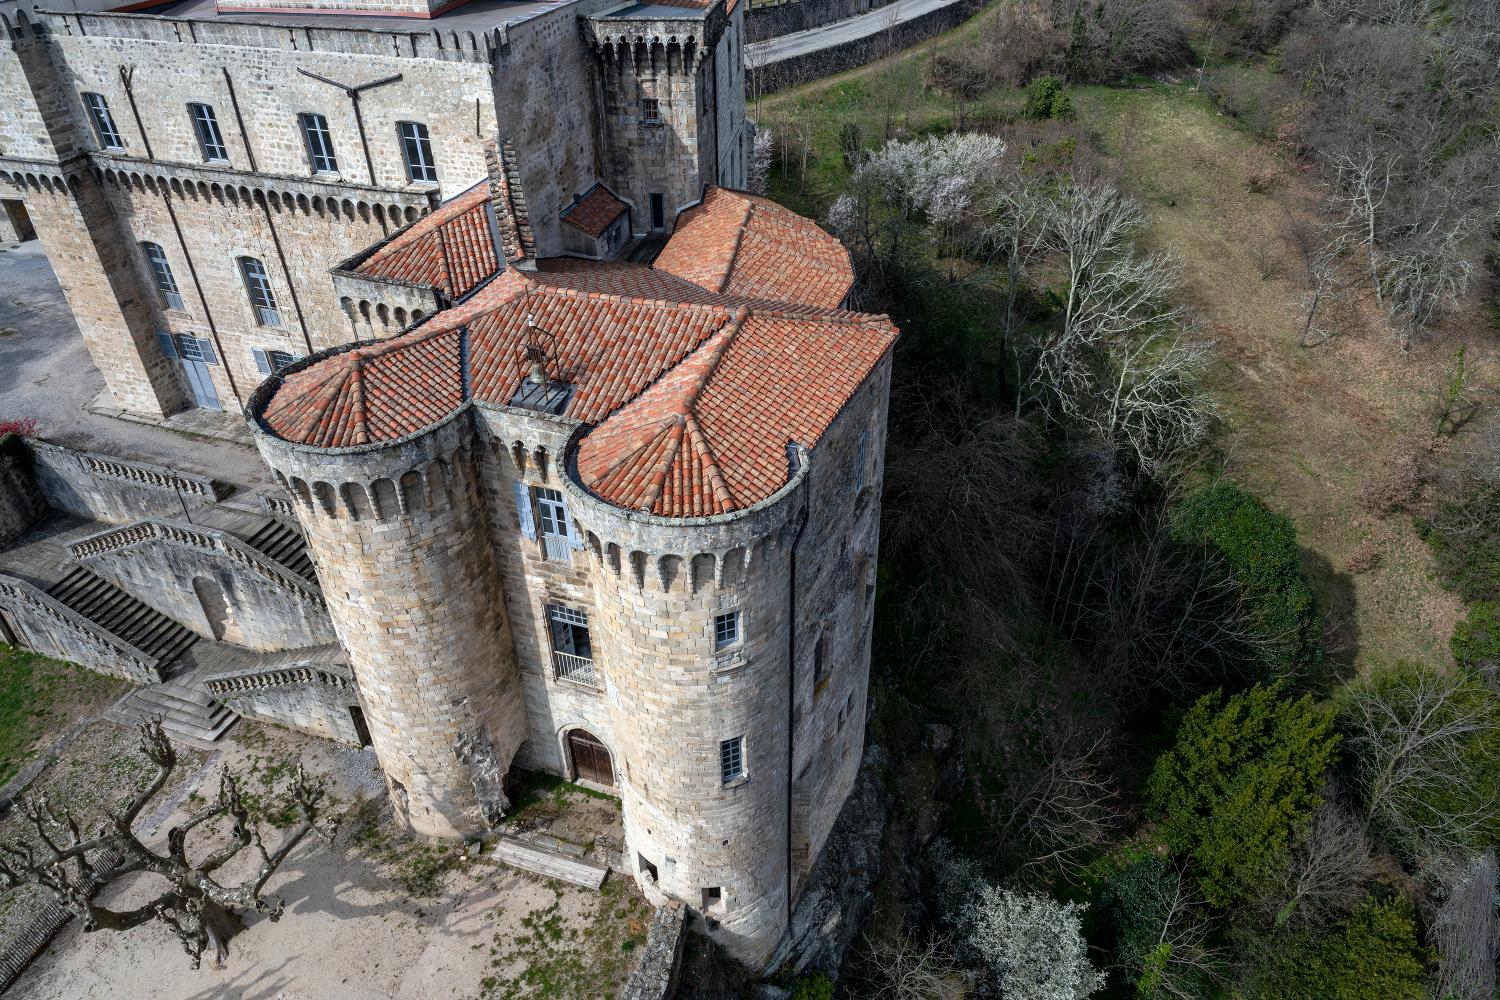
column 744, row 245
column 595, row 211
column 694, row 394
column 451, row 249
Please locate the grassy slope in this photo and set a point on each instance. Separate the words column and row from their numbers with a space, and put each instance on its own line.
column 1306, row 428
column 39, row 698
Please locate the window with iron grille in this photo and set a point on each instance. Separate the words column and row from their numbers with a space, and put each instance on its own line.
column 572, row 649
column 726, row 629
column 210, row 140
column 732, row 759
column 104, row 122
column 162, row 272
column 650, row 111
column 258, row 285
column 416, row 149
column 319, row 143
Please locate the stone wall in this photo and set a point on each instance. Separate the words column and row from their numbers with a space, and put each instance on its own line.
column 49, row 628
column 655, row 977
column 799, row 15
column 838, row 58
column 21, row 505
column 104, row 488
column 314, row 697
column 186, row 571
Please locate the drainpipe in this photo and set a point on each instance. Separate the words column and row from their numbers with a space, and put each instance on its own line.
column 791, row 670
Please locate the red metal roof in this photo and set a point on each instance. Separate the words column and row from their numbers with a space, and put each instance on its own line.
column 451, row 249
column 745, row 245
column 695, row 395
column 593, row 213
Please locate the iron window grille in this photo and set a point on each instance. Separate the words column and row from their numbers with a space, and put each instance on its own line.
column 572, row 649
column 104, row 122
column 162, row 272
column 210, row 140
column 416, row 148
column 258, row 286
column 319, row 143
column 651, row 111
column 726, row 629
column 732, row 759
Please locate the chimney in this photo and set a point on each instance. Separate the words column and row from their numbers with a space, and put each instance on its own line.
column 508, row 201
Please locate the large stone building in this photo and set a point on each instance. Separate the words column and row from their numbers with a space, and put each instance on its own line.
column 585, row 450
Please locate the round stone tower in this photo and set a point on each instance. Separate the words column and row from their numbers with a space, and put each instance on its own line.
column 695, row 618
column 399, row 535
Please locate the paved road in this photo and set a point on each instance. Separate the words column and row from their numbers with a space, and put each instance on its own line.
column 46, row 372
column 803, row 42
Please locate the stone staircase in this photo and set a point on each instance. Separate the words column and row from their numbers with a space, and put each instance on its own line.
column 551, row 858
column 121, row 615
column 188, row 715
column 285, row 545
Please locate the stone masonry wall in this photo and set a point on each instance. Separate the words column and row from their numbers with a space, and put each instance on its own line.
column 113, row 490
column 400, row 538
column 265, row 610
column 316, row 709
column 773, row 21
column 21, row 504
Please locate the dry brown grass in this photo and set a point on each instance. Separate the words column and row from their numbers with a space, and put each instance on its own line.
column 1313, row 430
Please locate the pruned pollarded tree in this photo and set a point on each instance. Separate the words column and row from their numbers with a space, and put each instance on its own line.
column 203, row 912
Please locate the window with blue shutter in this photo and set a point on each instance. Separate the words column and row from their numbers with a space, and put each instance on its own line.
column 523, row 509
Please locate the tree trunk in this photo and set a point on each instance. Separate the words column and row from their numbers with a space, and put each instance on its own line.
column 219, row 925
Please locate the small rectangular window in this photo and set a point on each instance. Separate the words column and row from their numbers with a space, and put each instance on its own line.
column 319, row 143
column 650, row 111
column 732, row 759
column 269, row 362
column 195, row 349
column 162, row 271
column 658, row 211
column 820, row 657
column 416, row 149
column 558, row 534
column 646, row 867
column 258, row 286
column 726, row 629
column 104, row 123
column 210, row 141
column 713, row 899
column 861, row 461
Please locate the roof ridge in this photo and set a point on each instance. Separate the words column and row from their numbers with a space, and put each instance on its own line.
column 739, row 237
column 568, row 292
column 724, row 496
column 357, row 401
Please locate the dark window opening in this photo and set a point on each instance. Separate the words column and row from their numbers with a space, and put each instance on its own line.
column 646, row 867
column 104, row 122
column 650, row 111
column 713, row 899
column 361, row 729
column 658, row 211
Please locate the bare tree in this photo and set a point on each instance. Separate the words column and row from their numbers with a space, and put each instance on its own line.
column 1412, row 731
column 903, row 967
column 1362, row 182
column 1466, row 932
column 201, row 911
column 1428, row 272
column 1183, row 965
column 1329, row 869
column 1321, row 254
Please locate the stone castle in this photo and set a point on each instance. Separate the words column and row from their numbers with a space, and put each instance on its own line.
column 579, row 452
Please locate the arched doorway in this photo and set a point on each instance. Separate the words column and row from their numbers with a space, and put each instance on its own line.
column 216, row 609
column 590, row 758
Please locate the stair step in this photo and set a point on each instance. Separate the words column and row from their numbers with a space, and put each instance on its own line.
column 198, row 729
column 549, row 864
column 117, row 612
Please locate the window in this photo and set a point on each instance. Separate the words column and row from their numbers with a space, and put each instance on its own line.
column 210, row 141
column 194, row 349
column 658, row 212
column 732, row 759
column 269, row 362
column 726, row 629
column 104, row 123
column 556, row 531
column 572, row 651
column 416, row 148
column 820, row 657
column 646, row 867
column 846, row 711
column 319, row 143
column 162, row 271
column 258, row 285
column 650, row 111
column 713, row 899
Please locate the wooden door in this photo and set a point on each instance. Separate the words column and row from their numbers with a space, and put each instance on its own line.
column 590, row 758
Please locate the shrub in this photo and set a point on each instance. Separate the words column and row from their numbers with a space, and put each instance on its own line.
column 19, row 426
column 813, row 987
column 1047, row 100
column 1476, row 639
column 1372, row 954
column 1464, row 536
column 1239, row 786
column 1033, row 946
column 1260, row 549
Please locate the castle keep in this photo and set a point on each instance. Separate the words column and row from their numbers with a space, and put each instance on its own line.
column 578, row 451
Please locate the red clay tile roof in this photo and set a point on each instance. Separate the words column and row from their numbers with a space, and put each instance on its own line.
column 593, row 213
column 452, row 249
column 741, row 244
column 695, row 396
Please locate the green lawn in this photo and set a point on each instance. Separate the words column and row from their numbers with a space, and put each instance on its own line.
column 41, row 697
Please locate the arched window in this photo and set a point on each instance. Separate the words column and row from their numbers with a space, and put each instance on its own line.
column 162, row 272
column 258, row 285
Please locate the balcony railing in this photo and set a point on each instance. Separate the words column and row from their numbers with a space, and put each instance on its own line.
column 578, row 669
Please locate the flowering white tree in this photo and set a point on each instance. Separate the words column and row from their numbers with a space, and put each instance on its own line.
column 1032, row 946
column 760, row 160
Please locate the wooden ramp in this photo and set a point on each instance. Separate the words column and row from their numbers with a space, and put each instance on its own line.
column 539, row 860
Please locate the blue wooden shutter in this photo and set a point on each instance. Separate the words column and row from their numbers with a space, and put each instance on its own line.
column 206, row 348
column 575, row 540
column 168, row 349
column 523, row 509
column 262, row 363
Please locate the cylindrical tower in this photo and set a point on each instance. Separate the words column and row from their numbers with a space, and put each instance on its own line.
column 398, row 534
column 695, row 618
